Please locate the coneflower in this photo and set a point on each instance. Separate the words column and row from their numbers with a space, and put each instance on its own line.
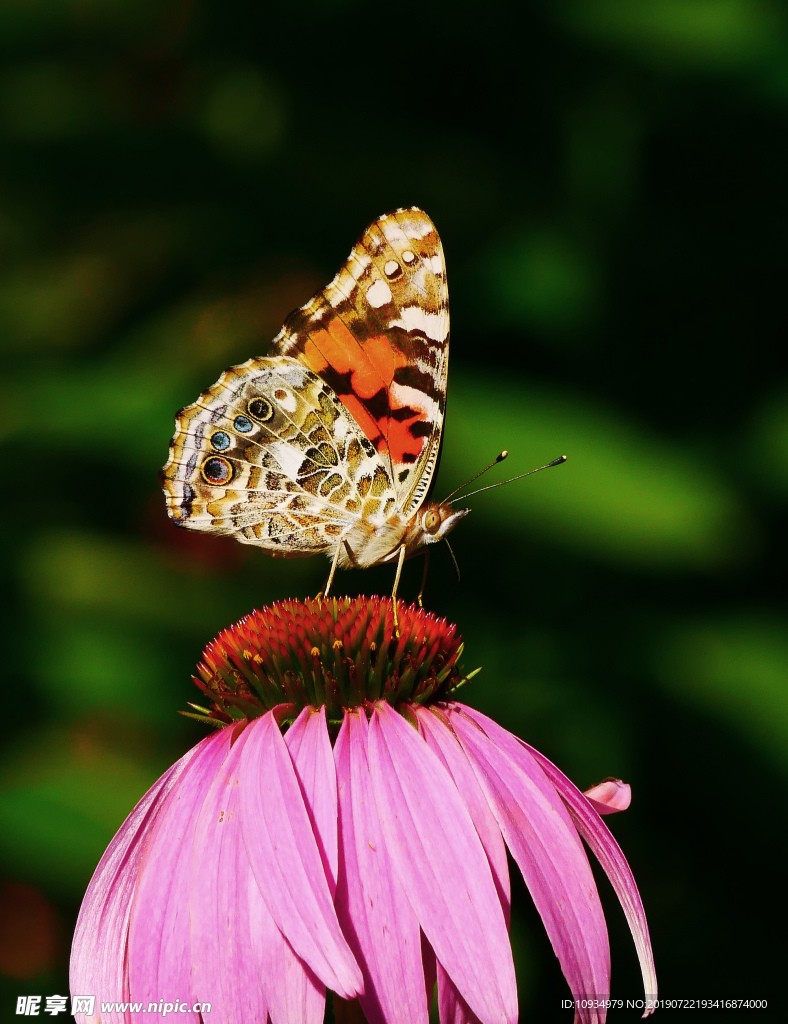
column 345, row 829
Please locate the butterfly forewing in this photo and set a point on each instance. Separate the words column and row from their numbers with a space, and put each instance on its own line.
column 378, row 334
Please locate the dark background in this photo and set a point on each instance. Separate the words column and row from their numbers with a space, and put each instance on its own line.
column 609, row 181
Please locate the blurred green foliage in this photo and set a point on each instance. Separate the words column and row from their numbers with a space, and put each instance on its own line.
column 609, row 183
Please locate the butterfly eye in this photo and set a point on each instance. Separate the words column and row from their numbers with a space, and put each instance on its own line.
column 431, row 521
column 217, row 471
column 260, row 409
column 242, row 424
column 220, row 441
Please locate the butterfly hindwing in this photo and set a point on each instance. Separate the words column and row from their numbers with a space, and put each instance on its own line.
column 271, row 456
column 378, row 335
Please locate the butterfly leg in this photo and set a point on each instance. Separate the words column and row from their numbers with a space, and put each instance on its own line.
column 396, row 586
column 350, row 555
column 424, row 576
column 330, row 580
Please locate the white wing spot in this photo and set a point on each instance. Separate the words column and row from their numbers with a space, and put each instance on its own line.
column 393, row 233
column 436, row 264
column 333, row 294
column 416, row 228
column 290, row 372
column 289, row 459
column 408, row 256
column 363, row 259
column 414, row 318
column 418, row 400
column 286, row 399
column 378, row 294
column 391, row 268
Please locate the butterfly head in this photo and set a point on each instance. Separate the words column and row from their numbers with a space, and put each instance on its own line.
column 437, row 520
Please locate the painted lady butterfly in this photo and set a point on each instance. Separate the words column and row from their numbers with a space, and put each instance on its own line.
column 331, row 443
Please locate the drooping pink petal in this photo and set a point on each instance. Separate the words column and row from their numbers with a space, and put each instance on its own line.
column 372, row 907
column 296, row 995
column 442, row 740
column 225, row 905
column 235, row 941
column 442, row 866
column 452, row 1008
column 309, row 744
column 610, row 796
column 159, row 944
column 551, row 857
column 593, row 830
column 98, row 953
column 285, row 858
column 614, row 863
column 513, row 748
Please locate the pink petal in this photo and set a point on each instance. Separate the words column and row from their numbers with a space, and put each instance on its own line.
column 372, row 907
column 442, row 865
column 226, row 908
column 452, row 1008
column 159, row 945
column 98, row 953
column 513, row 748
column 286, row 860
column 551, row 858
column 609, row 796
column 442, row 740
column 614, row 863
column 239, row 944
column 309, row 744
column 296, row 995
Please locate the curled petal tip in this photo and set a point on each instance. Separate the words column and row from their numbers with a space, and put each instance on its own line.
column 610, row 796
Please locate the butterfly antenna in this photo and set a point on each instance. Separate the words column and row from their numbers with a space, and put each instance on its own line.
column 454, row 559
column 495, row 461
column 489, row 487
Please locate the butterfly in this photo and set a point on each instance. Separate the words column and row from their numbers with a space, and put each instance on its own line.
column 330, row 444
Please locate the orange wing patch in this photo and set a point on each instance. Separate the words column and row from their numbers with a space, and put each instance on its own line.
column 383, row 362
column 367, row 423
column 406, row 440
column 336, row 349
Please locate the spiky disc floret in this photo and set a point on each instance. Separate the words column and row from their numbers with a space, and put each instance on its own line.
column 342, row 653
